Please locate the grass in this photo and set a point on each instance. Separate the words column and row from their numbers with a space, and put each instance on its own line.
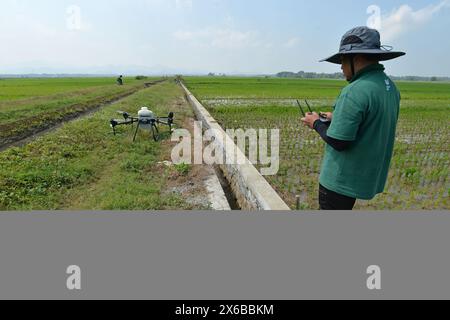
column 19, row 89
column 419, row 177
column 270, row 88
column 83, row 165
column 183, row 169
column 20, row 118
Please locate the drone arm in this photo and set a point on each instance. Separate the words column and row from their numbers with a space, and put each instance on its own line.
column 115, row 123
column 137, row 129
column 168, row 123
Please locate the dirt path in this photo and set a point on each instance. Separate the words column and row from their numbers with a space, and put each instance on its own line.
column 200, row 186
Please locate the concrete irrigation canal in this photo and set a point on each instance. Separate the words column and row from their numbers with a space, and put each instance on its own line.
column 251, row 190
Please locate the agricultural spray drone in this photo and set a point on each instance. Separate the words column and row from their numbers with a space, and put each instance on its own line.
column 323, row 117
column 145, row 120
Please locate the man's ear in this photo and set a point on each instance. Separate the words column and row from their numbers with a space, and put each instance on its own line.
column 357, row 59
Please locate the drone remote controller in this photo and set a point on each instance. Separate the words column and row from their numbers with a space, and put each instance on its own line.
column 323, row 116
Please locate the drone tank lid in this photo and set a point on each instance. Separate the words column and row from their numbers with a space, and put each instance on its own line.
column 145, row 112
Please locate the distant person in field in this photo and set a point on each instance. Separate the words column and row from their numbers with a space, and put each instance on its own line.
column 361, row 135
column 120, row 81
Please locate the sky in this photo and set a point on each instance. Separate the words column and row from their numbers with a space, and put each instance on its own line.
column 220, row 36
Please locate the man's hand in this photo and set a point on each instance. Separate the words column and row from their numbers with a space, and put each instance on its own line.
column 328, row 115
column 310, row 119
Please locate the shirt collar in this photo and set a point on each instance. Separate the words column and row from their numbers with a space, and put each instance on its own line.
column 368, row 69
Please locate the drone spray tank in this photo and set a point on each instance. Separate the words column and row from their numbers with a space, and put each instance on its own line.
column 146, row 118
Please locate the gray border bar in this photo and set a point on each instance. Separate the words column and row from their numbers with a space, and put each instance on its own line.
column 225, row 256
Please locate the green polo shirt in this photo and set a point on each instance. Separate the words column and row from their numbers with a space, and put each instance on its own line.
column 365, row 113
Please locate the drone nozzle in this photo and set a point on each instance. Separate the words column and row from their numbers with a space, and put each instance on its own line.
column 114, row 123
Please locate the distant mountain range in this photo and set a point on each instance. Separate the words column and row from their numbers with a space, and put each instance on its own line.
column 46, row 75
column 42, row 69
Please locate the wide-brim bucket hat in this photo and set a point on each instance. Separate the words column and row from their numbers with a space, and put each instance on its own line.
column 363, row 40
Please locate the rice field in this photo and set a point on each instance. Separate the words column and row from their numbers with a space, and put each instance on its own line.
column 419, row 176
column 83, row 166
column 22, row 88
column 28, row 106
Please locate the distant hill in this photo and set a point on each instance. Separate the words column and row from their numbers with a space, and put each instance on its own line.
column 415, row 78
column 284, row 74
column 45, row 75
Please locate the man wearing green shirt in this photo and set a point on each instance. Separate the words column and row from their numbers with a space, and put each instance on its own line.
column 360, row 133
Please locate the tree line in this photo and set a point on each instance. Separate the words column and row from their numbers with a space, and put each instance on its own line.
column 339, row 75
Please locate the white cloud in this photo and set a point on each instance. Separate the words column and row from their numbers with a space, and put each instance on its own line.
column 185, row 35
column 405, row 19
column 178, row 4
column 184, row 4
column 293, row 42
column 224, row 38
column 34, row 43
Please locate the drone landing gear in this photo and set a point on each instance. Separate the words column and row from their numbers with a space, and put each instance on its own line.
column 135, row 133
column 155, row 132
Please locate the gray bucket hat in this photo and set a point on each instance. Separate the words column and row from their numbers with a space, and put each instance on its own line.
column 363, row 40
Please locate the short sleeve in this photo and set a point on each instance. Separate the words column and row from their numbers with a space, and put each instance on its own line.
column 347, row 118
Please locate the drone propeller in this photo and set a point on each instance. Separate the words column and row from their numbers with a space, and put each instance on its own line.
column 125, row 115
column 170, row 117
column 170, row 120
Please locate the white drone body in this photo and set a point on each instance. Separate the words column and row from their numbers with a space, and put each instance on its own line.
column 146, row 118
